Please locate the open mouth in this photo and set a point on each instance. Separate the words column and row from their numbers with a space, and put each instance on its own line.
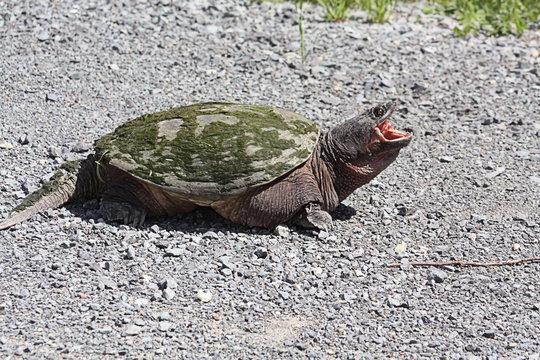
column 385, row 132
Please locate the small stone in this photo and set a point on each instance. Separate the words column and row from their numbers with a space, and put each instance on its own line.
column 226, row 262
column 472, row 348
column 133, row 329
column 167, row 283
column 75, row 76
column 105, row 330
column 141, row 302
column 388, row 83
column 261, row 253
column 446, row 159
column 397, row 300
column 164, row 316
column 290, row 278
column 437, row 275
column 130, row 253
column 24, row 293
column 356, row 254
column 108, row 283
column 43, row 36
column 6, row 145
column 317, row 271
column 400, row 248
column 210, row 235
column 162, row 244
column 55, row 152
column 284, row 294
column 331, row 100
column 226, row 272
column 114, row 67
column 515, row 247
column 154, row 228
column 174, row 252
column 51, row 97
column 282, row 231
column 23, row 139
column 441, row 249
column 323, row 234
column 164, row 326
column 204, row 296
column 490, row 334
column 534, row 53
column 81, row 147
column 168, row 294
column 495, row 173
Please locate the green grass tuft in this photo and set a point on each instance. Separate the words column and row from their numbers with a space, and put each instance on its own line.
column 497, row 17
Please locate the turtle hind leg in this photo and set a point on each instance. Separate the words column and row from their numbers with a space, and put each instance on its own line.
column 130, row 200
column 313, row 217
column 119, row 204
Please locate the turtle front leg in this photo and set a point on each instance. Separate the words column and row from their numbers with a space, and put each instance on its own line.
column 119, row 204
column 313, row 217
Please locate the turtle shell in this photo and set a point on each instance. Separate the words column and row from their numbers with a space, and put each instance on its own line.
column 210, row 151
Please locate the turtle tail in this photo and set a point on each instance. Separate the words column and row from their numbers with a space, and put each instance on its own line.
column 74, row 180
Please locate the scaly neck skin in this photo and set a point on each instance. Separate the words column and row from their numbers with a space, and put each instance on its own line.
column 323, row 172
column 346, row 173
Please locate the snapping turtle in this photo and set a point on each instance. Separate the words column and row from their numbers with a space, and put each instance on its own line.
column 254, row 165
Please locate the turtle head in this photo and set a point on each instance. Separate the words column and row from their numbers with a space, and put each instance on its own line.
column 366, row 144
column 368, row 135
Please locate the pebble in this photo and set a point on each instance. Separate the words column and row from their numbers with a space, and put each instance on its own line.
column 133, row 330
column 164, row 326
column 168, row 294
column 43, row 36
column 437, row 275
column 282, row 231
column 164, row 316
column 130, row 253
column 108, row 283
column 167, row 283
column 175, row 252
column 261, row 253
column 397, row 300
column 51, row 97
column 446, row 159
column 204, row 296
column 141, row 302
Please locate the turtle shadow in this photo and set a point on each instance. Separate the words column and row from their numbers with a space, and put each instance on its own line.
column 343, row 212
column 200, row 220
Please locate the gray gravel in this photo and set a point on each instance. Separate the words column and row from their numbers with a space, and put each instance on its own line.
column 197, row 286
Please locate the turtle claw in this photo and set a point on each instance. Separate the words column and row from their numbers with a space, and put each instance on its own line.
column 123, row 212
column 313, row 217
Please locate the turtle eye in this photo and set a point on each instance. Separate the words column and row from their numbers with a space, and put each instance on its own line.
column 379, row 111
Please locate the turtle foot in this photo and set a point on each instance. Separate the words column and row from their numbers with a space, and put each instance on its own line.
column 313, row 217
column 117, row 209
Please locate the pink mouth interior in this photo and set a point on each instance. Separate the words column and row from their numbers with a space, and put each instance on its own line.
column 389, row 133
column 384, row 132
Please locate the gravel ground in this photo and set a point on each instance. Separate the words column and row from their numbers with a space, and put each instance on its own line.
column 74, row 286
